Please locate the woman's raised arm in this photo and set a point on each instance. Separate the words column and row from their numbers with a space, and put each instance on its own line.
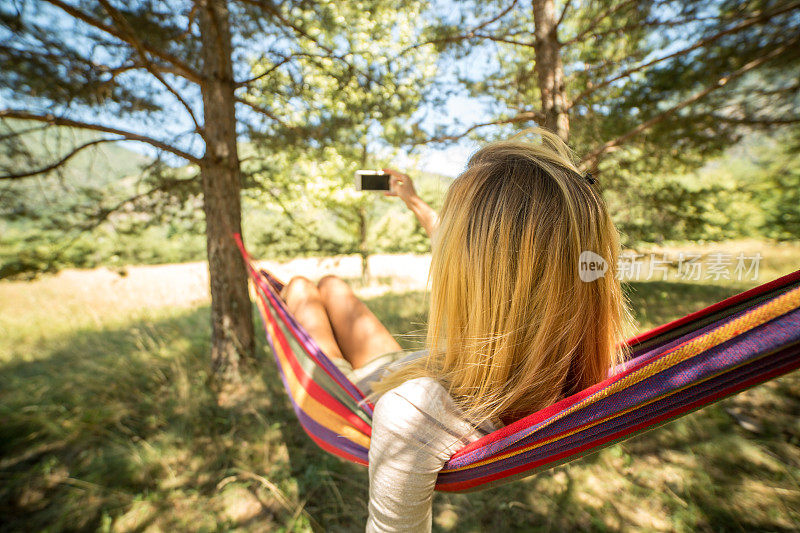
column 403, row 187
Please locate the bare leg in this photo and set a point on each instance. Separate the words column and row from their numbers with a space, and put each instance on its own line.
column 305, row 303
column 359, row 333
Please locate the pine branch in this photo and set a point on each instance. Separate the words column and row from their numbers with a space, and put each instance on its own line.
column 504, row 39
column 567, row 5
column 127, row 30
column 299, row 31
column 590, row 160
column 266, row 112
column 106, row 212
column 772, row 92
column 103, row 214
column 267, row 72
column 53, row 166
column 647, row 24
column 699, row 44
column 595, row 21
column 521, row 117
column 469, row 34
column 275, row 12
column 284, row 61
column 130, row 136
column 181, row 67
column 755, row 121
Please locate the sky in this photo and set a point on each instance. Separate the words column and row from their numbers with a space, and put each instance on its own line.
column 449, row 160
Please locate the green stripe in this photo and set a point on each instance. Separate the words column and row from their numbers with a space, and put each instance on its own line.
column 317, row 374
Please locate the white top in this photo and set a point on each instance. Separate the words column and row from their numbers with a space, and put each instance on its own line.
column 416, row 428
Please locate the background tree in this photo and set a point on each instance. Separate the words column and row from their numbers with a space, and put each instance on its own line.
column 177, row 76
column 609, row 74
column 318, row 212
column 642, row 88
column 352, row 121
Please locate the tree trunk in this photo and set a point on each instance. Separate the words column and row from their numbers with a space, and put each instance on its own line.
column 363, row 224
column 549, row 68
column 231, row 313
column 363, row 248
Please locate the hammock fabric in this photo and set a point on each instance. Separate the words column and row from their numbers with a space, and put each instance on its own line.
column 674, row 369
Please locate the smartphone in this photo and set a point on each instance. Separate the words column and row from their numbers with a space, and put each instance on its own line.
column 372, row 180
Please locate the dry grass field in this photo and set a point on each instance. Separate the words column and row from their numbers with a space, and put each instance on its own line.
column 107, row 423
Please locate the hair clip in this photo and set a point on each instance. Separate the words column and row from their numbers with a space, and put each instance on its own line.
column 591, row 179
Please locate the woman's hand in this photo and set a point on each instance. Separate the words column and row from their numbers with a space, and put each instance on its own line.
column 400, row 185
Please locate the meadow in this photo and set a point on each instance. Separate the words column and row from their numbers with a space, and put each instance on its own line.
column 107, row 421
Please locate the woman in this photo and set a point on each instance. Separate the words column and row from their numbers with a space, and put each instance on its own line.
column 512, row 328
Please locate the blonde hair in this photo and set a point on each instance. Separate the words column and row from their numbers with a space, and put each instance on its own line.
column 512, row 328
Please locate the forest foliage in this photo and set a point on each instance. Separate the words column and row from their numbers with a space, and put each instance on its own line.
column 687, row 112
column 751, row 191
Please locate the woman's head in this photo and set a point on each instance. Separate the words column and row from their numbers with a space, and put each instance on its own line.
column 512, row 327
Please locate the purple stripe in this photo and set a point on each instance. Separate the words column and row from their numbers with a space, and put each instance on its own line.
column 314, row 351
column 605, row 430
column 334, row 439
column 275, row 282
column 658, row 350
column 309, row 424
column 628, row 420
column 778, row 332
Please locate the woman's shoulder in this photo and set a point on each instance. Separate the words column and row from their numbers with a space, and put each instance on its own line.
column 423, row 406
column 419, row 389
column 423, row 393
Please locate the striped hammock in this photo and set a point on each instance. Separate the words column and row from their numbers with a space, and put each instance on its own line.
column 674, row 369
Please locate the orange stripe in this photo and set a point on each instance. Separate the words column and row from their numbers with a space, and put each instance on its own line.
column 313, row 388
column 320, row 413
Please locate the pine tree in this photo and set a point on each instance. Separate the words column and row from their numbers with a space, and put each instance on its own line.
column 178, row 76
column 650, row 84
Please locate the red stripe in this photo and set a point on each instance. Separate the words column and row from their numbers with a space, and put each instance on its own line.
column 311, row 387
column 279, row 308
column 336, row 451
column 465, row 485
column 238, row 238
column 736, row 298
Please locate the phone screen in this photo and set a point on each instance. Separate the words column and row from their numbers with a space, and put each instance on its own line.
column 373, row 180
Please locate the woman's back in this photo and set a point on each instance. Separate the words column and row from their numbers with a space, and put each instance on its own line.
column 416, row 428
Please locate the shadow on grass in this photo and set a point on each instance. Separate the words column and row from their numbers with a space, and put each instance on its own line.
column 657, row 302
column 117, row 429
column 119, row 426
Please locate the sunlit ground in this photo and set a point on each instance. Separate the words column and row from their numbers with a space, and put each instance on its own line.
column 106, row 421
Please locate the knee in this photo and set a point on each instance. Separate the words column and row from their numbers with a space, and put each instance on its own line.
column 331, row 286
column 300, row 287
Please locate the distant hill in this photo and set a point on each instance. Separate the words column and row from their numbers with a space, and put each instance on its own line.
column 95, row 166
column 106, row 170
column 38, row 214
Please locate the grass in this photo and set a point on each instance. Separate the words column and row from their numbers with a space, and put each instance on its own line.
column 107, row 423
